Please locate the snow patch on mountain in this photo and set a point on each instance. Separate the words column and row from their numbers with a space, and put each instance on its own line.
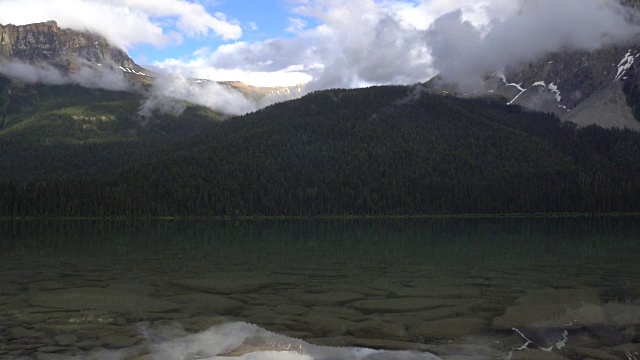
column 552, row 87
column 127, row 70
column 625, row 64
column 517, row 86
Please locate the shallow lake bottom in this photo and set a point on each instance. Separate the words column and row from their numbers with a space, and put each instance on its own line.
column 409, row 289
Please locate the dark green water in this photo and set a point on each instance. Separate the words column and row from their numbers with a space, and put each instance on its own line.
column 456, row 288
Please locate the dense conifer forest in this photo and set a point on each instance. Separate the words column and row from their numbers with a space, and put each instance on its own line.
column 390, row 150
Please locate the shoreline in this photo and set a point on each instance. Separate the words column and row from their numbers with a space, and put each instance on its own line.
column 320, row 217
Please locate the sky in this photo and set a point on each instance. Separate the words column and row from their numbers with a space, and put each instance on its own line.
column 261, row 42
column 335, row 43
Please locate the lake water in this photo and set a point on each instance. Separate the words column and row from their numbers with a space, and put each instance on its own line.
column 452, row 289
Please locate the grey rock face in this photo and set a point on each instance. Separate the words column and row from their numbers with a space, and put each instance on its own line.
column 47, row 42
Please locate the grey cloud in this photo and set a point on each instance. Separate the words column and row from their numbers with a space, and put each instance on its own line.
column 96, row 78
column 463, row 54
column 382, row 52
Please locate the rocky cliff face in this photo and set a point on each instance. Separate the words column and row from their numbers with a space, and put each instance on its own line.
column 64, row 48
column 70, row 50
column 584, row 87
column 48, row 42
column 578, row 85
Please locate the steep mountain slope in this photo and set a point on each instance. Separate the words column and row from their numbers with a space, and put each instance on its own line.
column 376, row 151
column 580, row 86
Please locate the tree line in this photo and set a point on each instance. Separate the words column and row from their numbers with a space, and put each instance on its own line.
column 375, row 151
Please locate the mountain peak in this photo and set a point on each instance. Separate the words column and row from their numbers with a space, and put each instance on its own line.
column 64, row 48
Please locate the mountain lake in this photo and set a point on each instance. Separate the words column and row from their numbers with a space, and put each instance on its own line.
column 451, row 289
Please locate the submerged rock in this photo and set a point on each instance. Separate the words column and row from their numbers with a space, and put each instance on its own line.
column 449, row 328
column 536, row 355
column 582, row 352
column 553, row 308
column 20, row 333
column 330, row 298
column 292, row 310
column 214, row 304
column 226, row 285
column 336, row 312
column 66, row 339
column 622, row 314
column 52, row 349
column 377, row 329
column 477, row 351
column 328, row 325
column 397, row 305
column 101, row 299
column 117, row 341
column 7, row 288
column 626, row 351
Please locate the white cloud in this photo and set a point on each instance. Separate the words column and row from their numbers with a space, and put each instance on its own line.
column 296, row 25
column 357, row 42
column 41, row 73
column 168, row 91
column 199, row 69
column 362, row 42
column 422, row 14
column 192, row 18
column 334, row 43
column 125, row 22
column 344, row 43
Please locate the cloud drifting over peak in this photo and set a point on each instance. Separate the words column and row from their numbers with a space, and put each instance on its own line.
column 41, row 73
column 464, row 53
column 168, row 93
column 125, row 22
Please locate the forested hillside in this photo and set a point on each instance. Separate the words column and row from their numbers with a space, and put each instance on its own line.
column 51, row 132
column 376, row 151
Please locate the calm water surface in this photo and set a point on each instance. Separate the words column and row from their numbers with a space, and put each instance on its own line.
column 566, row 288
